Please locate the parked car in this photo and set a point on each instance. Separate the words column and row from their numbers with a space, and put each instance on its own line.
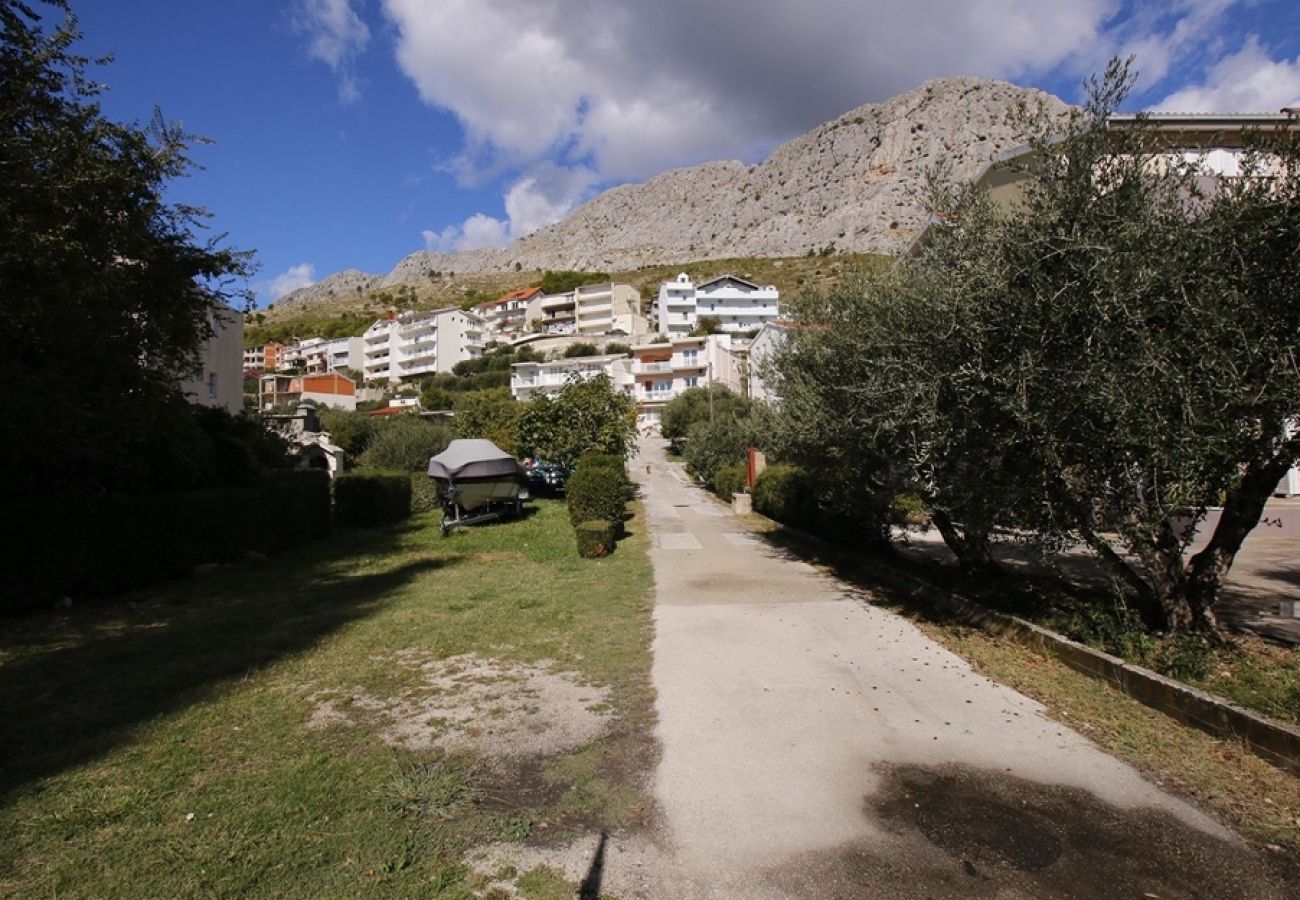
column 546, row 479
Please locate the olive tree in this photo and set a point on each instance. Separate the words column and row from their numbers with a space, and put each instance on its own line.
column 1101, row 361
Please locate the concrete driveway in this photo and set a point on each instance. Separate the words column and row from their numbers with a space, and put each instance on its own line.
column 814, row 745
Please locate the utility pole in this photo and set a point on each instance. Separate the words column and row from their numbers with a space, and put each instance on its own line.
column 709, row 376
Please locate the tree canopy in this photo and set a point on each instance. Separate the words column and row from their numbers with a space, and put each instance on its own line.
column 1112, row 354
column 587, row 416
column 107, row 291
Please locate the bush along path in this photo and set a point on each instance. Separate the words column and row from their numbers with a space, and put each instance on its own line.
column 814, row 744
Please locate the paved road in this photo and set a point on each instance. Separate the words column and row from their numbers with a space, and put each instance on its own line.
column 814, row 745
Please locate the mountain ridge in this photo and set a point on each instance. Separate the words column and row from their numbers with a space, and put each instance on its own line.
column 851, row 184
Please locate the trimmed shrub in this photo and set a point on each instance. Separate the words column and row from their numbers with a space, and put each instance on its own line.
column 785, row 493
column 105, row 544
column 372, row 497
column 729, row 480
column 611, row 464
column 425, row 495
column 595, row 538
column 596, row 493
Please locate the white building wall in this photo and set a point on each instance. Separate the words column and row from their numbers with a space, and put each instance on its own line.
column 531, row 379
column 220, row 378
column 768, row 340
column 737, row 306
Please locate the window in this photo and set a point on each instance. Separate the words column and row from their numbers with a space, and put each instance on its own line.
column 690, row 356
column 691, row 381
column 212, row 385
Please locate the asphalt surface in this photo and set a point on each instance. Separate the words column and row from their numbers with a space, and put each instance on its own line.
column 814, row 745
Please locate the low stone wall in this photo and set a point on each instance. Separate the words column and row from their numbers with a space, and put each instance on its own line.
column 1275, row 742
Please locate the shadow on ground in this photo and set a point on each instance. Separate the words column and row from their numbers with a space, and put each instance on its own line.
column 956, row 832
column 74, row 685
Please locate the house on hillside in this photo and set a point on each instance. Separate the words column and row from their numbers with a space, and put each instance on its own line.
column 739, row 305
column 663, row 370
column 327, row 389
column 591, row 310
column 505, row 316
column 412, row 344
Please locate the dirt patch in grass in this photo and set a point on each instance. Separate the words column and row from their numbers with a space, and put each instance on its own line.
column 497, row 710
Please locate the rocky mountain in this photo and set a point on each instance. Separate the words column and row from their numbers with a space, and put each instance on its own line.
column 855, row 184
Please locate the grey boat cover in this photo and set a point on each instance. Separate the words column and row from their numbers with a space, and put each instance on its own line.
column 473, row 458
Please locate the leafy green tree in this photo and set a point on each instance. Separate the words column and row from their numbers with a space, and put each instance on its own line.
column 106, row 291
column 614, row 347
column 490, row 414
column 350, row 430
column 693, row 406
column 581, row 348
column 707, row 325
column 588, row 416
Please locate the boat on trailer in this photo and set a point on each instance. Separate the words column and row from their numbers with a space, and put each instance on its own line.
column 479, row 482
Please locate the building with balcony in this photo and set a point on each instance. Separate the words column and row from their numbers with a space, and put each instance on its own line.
column 328, row 389
column 531, row 379
column 590, row 310
column 505, row 317
column 663, row 370
column 739, row 306
column 413, row 344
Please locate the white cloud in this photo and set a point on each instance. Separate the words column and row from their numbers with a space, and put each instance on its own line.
column 291, row 279
column 336, row 36
column 1246, row 81
column 479, row 230
column 559, row 97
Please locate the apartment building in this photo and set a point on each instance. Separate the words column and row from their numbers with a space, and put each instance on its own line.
column 738, row 305
column 328, row 389
column 770, row 338
column 593, row 309
column 412, row 344
column 663, row 370
column 531, row 379
column 266, row 356
column 505, row 317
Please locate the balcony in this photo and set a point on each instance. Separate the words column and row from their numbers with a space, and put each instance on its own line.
column 649, row 368
column 689, row 362
column 664, row 394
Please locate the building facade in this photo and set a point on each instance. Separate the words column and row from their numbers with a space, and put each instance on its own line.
column 413, row 344
column 591, row 310
column 738, row 305
column 328, row 389
column 532, row 379
column 219, row 380
column 664, row 370
column 505, row 318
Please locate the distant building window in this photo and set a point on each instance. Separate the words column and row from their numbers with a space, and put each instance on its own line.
column 692, row 381
column 212, row 385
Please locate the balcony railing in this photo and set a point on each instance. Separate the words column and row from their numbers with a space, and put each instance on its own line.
column 665, row 394
column 649, row 368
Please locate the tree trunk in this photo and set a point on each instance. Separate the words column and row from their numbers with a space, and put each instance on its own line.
column 1148, row 605
column 1242, row 510
column 971, row 548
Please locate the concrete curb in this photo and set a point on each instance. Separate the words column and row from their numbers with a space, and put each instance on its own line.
column 1272, row 741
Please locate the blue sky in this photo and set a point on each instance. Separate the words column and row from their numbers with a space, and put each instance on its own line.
column 349, row 133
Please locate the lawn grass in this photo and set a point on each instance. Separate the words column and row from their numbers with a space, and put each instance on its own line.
column 160, row 746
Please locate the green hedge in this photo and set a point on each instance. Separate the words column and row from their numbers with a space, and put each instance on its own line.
column 595, row 538
column 785, row 493
column 596, row 493
column 105, row 544
column 372, row 497
column 729, row 480
column 611, row 464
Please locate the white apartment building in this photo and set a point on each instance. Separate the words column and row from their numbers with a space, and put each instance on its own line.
column 593, row 309
column 255, row 358
column 530, row 379
column 412, row 344
column 737, row 304
column 664, row 370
